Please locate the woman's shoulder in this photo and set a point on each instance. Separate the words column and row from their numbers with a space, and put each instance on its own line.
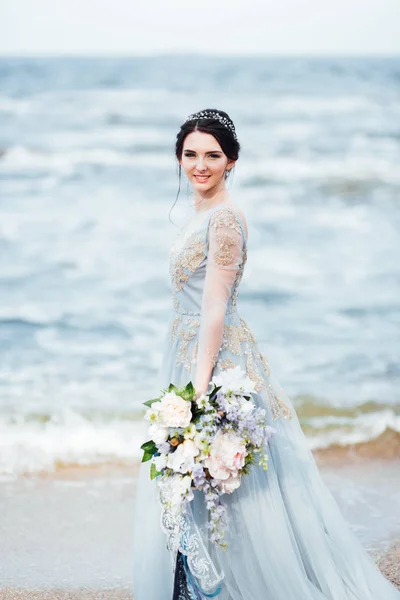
column 229, row 215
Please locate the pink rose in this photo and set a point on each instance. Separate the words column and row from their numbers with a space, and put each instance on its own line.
column 230, row 485
column 227, row 456
column 175, row 411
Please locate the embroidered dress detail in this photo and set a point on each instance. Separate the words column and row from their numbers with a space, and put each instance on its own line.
column 286, row 537
column 183, row 536
column 183, row 262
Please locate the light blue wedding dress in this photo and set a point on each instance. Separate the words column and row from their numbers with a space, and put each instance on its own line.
column 287, row 539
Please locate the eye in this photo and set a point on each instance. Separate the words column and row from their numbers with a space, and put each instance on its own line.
column 189, row 154
column 214, row 155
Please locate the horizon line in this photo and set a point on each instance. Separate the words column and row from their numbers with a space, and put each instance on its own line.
column 183, row 53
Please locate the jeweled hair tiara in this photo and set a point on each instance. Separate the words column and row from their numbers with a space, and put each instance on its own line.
column 208, row 114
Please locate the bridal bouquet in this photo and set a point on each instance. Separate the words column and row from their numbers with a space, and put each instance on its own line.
column 206, row 443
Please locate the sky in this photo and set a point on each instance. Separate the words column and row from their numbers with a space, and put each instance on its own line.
column 127, row 27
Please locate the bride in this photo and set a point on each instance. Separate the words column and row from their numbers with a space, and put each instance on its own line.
column 287, row 539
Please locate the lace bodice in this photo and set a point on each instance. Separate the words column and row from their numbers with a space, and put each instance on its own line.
column 215, row 238
column 206, row 265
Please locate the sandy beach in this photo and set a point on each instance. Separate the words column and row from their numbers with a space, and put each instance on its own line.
column 69, row 534
column 388, row 562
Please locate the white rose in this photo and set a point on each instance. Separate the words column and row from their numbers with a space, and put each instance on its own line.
column 158, row 434
column 175, row 411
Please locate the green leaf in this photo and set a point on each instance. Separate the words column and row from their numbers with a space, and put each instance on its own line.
column 153, row 471
column 172, row 388
column 189, row 388
column 149, row 447
column 214, row 391
column 150, row 402
column 187, row 393
column 147, row 456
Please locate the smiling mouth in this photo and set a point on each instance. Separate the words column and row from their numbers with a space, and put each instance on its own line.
column 202, row 177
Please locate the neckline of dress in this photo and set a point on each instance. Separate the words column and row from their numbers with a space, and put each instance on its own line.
column 220, row 205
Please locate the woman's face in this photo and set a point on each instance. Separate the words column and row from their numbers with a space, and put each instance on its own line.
column 204, row 161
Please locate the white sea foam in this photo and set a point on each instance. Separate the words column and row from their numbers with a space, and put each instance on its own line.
column 366, row 169
column 68, row 438
column 351, row 430
column 21, row 159
column 323, row 105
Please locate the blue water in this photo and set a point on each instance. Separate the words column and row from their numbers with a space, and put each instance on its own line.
column 87, row 177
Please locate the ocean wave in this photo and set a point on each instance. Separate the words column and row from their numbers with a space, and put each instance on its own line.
column 355, row 176
column 16, row 323
column 45, row 442
column 385, row 446
column 312, row 407
column 336, row 172
column 347, row 427
column 34, row 443
column 19, row 159
column 298, row 104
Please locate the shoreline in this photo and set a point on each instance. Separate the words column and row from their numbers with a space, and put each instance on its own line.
column 383, row 450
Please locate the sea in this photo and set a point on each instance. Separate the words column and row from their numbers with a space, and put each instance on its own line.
column 87, row 181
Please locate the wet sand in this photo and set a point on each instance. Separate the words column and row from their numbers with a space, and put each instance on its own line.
column 69, row 534
column 389, row 563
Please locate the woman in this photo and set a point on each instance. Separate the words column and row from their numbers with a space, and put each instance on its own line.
column 286, row 537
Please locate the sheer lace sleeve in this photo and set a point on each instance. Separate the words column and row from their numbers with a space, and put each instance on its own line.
column 224, row 258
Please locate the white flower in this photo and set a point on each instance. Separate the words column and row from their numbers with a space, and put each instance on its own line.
column 186, row 487
column 153, row 413
column 203, row 402
column 178, row 488
column 160, row 461
column 158, row 434
column 229, row 485
column 227, row 455
column 199, row 439
column 190, row 431
column 202, row 443
column 234, row 381
column 175, row 411
column 246, row 406
column 182, row 460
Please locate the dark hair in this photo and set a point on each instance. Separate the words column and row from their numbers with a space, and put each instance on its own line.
column 223, row 134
